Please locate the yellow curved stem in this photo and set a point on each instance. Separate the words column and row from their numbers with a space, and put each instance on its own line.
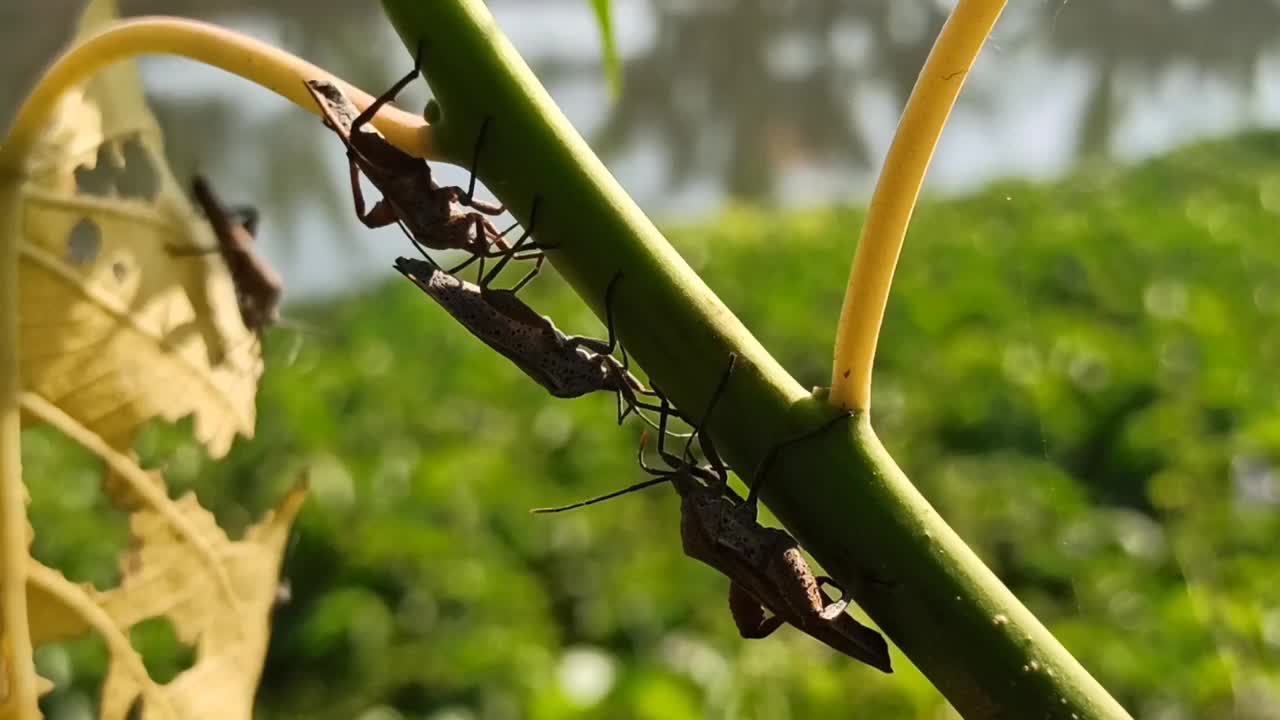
column 238, row 54
column 895, row 197
column 13, row 501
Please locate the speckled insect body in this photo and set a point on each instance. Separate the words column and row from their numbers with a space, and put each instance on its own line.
column 568, row 366
column 765, row 566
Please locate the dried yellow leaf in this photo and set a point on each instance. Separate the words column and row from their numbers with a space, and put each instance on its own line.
column 115, row 329
column 9, row 710
column 165, row 576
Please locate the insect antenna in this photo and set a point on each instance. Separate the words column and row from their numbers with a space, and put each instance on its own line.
column 659, row 476
column 666, row 477
column 644, row 441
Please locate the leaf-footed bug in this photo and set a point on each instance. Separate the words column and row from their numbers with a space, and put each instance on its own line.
column 567, row 366
column 765, row 566
column 432, row 216
column 258, row 286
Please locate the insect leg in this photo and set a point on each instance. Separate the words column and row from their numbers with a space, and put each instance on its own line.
column 496, row 239
column 486, row 280
column 718, row 467
column 623, row 385
column 668, row 410
column 478, row 243
column 469, row 199
column 687, row 453
column 608, row 310
column 772, row 455
column 748, row 614
column 533, row 272
column 485, row 234
column 463, row 265
column 381, row 214
column 367, row 114
column 630, row 379
column 836, row 608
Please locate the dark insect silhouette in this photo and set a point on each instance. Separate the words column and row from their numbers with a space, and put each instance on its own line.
column 435, row 217
column 258, row 286
column 765, row 567
column 567, row 366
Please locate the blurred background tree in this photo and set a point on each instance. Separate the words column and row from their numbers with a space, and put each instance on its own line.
column 788, row 103
column 1079, row 374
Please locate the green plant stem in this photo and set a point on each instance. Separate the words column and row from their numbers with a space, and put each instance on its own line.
column 841, row 493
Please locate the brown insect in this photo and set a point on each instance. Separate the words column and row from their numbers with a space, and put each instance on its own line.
column 567, row 366
column 765, row 567
column 440, row 218
column 258, row 286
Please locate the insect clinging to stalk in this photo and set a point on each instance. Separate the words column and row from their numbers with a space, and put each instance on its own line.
column 765, row 566
column 567, row 366
column 435, row 217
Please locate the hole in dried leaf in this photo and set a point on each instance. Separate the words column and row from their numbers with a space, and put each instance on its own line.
column 84, row 242
column 163, row 654
column 120, row 270
column 139, row 176
column 75, row 694
column 53, row 663
column 123, row 169
column 76, row 529
column 98, row 179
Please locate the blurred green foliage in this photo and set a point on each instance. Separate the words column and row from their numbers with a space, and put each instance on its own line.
column 1079, row 375
column 608, row 46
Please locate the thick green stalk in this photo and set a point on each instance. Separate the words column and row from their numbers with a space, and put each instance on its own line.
column 841, row 494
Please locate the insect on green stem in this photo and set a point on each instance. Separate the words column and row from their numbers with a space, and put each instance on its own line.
column 568, row 366
column 435, row 217
column 765, row 567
